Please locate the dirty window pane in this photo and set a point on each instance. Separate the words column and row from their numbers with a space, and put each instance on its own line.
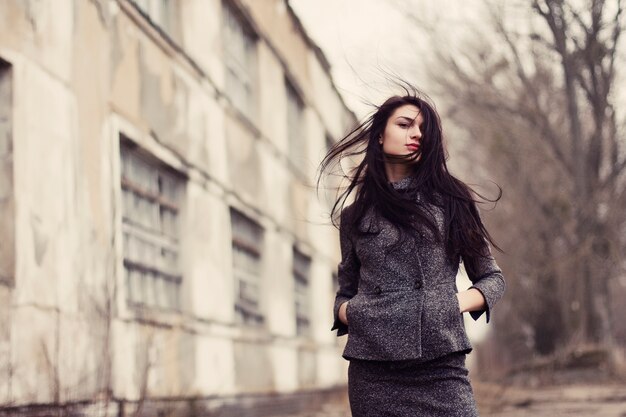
column 7, row 207
column 240, row 61
column 301, row 271
column 295, row 125
column 150, row 211
column 247, row 244
column 157, row 11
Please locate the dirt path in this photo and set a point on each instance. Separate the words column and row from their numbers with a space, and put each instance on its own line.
column 571, row 400
column 608, row 400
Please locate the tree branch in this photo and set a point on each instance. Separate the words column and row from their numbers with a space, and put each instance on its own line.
column 549, row 133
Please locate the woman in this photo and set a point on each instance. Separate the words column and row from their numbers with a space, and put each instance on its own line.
column 402, row 240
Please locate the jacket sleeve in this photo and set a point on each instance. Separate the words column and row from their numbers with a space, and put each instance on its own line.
column 347, row 272
column 489, row 281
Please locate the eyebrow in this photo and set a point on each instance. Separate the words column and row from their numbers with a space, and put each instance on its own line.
column 408, row 118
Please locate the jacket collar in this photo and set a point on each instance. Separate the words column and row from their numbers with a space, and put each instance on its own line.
column 404, row 183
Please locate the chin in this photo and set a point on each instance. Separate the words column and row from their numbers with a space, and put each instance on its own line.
column 415, row 157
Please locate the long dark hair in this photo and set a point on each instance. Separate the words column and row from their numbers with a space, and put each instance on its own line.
column 464, row 232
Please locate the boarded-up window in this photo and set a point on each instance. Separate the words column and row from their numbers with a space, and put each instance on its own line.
column 301, row 272
column 296, row 130
column 7, row 207
column 247, row 238
column 151, row 196
column 240, row 61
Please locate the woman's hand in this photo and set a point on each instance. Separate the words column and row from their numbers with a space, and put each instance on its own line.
column 470, row 300
column 342, row 313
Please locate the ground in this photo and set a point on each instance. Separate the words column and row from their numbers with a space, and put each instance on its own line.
column 580, row 399
column 601, row 400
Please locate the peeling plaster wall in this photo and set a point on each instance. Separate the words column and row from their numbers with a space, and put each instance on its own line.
column 86, row 71
column 274, row 21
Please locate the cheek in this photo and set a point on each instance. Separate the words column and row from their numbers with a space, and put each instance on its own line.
column 394, row 140
column 389, row 144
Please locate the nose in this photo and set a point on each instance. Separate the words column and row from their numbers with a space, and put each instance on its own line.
column 415, row 133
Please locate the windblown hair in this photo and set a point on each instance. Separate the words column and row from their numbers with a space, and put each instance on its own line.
column 465, row 235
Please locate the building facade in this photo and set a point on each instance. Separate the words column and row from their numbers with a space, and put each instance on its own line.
column 162, row 246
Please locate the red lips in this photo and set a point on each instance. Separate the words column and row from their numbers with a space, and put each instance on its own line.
column 413, row 147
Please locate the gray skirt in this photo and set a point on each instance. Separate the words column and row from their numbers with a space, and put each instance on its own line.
column 438, row 387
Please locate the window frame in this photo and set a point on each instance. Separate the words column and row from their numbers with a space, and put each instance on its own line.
column 301, row 273
column 240, row 71
column 157, row 12
column 247, row 312
column 163, row 293
column 7, row 202
column 296, row 124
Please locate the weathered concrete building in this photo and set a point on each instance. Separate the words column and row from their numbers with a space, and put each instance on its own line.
column 162, row 245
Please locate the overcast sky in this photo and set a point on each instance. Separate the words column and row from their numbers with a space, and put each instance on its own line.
column 368, row 40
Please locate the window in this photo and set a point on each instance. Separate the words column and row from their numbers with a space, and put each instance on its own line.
column 335, row 287
column 240, row 60
column 330, row 142
column 158, row 11
column 333, row 181
column 295, row 125
column 247, row 238
column 301, row 268
column 7, row 215
column 150, row 216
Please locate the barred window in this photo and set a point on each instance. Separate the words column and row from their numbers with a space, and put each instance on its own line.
column 247, row 241
column 301, row 271
column 150, row 213
column 295, row 125
column 240, row 60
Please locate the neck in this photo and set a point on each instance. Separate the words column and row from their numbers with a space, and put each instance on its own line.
column 396, row 172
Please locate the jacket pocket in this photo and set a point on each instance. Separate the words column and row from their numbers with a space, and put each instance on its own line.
column 348, row 312
column 457, row 305
column 384, row 326
column 442, row 308
column 443, row 330
column 349, row 307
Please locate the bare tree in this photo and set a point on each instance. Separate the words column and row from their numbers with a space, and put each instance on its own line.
column 539, row 94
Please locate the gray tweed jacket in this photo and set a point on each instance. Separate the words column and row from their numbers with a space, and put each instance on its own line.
column 402, row 303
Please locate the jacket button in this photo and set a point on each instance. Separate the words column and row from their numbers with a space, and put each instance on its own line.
column 377, row 290
column 418, row 284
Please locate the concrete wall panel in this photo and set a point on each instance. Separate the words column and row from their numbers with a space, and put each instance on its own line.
column 83, row 72
column 46, row 181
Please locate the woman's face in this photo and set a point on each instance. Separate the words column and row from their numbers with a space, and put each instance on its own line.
column 402, row 133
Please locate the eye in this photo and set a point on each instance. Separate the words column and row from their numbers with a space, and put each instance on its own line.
column 403, row 125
